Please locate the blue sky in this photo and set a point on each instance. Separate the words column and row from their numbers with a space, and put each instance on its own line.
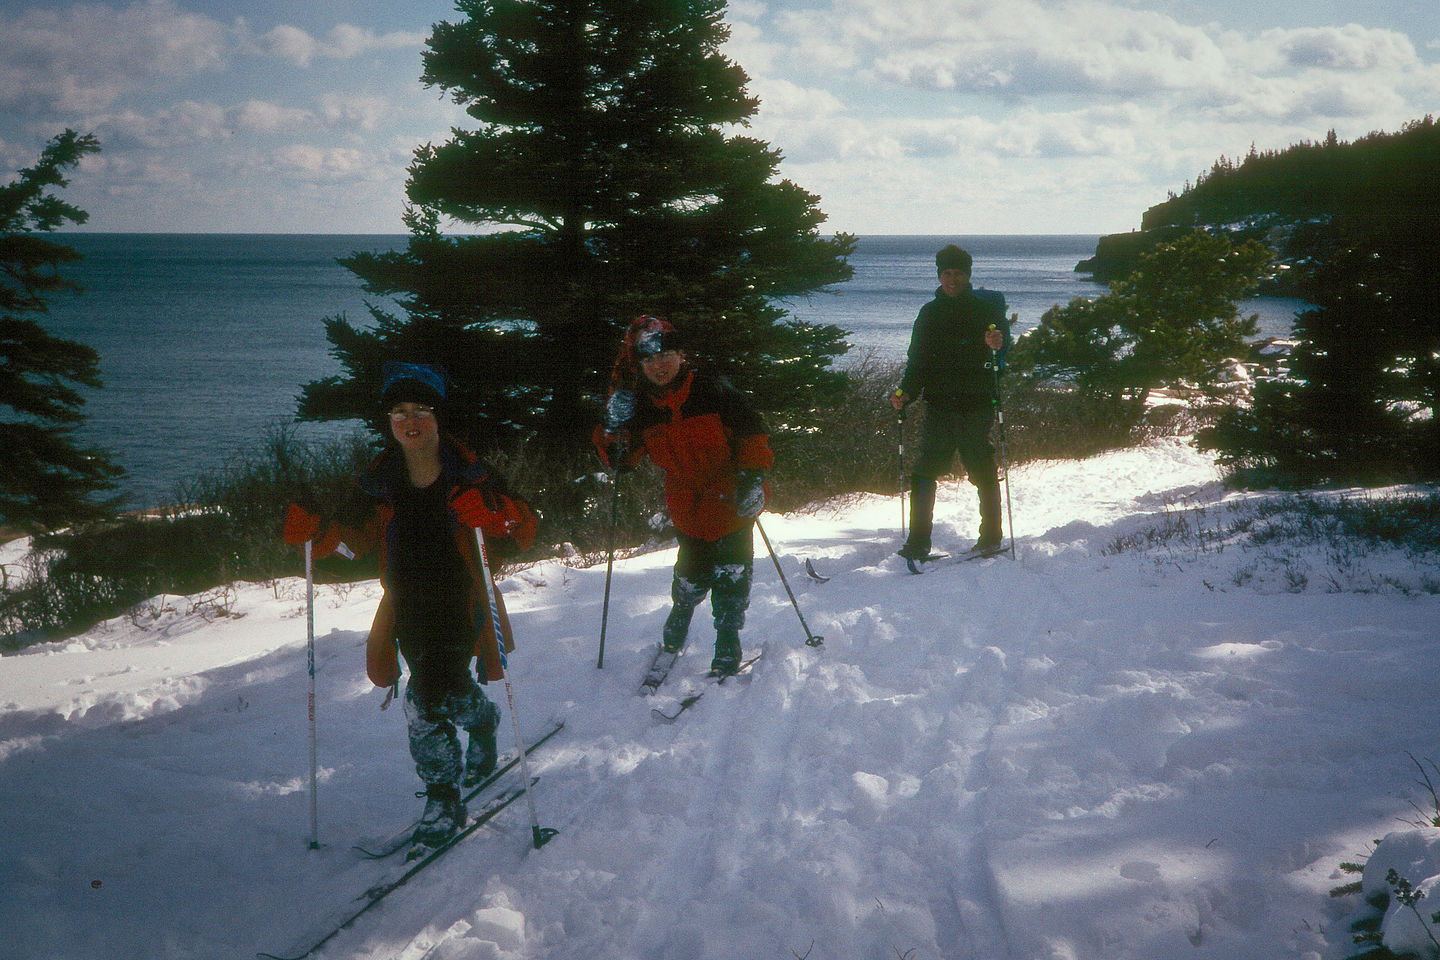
column 935, row 116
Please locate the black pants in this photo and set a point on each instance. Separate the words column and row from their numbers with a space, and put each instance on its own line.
column 946, row 431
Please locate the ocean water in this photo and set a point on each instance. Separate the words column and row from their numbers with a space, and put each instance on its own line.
column 206, row 340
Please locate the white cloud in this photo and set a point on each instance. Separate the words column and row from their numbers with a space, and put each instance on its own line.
column 260, row 116
column 182, row 123
column 341, row 42
column 782, row 100
column 1019, row 47
column 1351, row 47
column 191, row 123
column 355, row 110
column 87, row 57
column 288, row 43
column 331, row 163
column 1017, row 50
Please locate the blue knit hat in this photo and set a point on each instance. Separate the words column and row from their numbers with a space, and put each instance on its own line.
column 412, row 383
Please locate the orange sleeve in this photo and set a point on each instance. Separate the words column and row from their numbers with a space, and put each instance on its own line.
column 753, row 452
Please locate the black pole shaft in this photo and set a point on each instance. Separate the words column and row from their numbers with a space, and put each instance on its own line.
column 810, row 638
column 609, row 564
column 900, row 464
column 1004, row 460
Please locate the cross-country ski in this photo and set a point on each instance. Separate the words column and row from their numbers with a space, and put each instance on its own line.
column 689, row 700
column 919, row 565
column 660, row 667
column 403, row 839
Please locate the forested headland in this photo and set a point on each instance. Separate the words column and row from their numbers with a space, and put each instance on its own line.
column 1294, row 199
column 1354, row 229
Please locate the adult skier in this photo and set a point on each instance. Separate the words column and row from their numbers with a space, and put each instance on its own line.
column 702, row 432
column 417, row 504
column 956, row 338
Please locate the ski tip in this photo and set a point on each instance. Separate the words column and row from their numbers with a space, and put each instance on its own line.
column 813, row 574
column 543, row 835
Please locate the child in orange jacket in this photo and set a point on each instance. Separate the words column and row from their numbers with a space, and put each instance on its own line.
column 714, row 450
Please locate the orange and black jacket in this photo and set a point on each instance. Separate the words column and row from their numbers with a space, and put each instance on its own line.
column 701, row 432
column 366, row 524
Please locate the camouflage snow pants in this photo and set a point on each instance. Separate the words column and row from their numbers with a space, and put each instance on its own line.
column 723, row 569
column 434, row 726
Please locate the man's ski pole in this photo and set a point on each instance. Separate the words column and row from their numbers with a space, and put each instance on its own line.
column 900, row 464
column 810, row 638
column 609, row 562
column 310, row 658
column 540, row 835
column 1004, row 462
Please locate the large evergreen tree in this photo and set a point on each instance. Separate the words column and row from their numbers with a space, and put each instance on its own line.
column 606, row 179
column 46, row 479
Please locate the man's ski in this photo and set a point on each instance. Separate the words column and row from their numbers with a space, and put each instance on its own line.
column 382, row 890
column 913, row 563
column 973, row 553
column 976, row 553
column 401, row 840
column 811, row 572
column 694, row 698
column 659, row 670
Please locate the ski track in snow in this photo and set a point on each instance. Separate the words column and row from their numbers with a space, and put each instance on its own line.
column 1077, row 756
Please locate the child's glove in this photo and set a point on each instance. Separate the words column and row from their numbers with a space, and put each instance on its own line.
column 750, row 493
column 619, row 410
column 495, row 518
column 301, row 525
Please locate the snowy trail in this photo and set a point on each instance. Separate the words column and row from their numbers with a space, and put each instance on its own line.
column 1082, row 755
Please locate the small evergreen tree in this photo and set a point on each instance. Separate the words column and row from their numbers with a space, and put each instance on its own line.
column 1360, row 398
column 46, row 479
column 1173, row 322
column 607, row 181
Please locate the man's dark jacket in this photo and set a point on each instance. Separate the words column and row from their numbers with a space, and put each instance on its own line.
column 948, row 359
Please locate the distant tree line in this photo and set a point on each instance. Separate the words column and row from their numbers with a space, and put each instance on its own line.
column 1383, row 177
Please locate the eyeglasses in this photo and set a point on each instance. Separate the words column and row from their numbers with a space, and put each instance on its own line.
column 417, row 413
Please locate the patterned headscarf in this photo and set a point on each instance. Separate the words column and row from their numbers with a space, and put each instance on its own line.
column 646, row 337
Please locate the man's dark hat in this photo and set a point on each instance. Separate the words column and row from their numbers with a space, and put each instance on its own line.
column 952, row 257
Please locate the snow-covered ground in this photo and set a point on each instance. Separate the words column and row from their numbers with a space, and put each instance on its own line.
column 1140, row 755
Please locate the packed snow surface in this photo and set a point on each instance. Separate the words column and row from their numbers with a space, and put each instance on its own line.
column 1144, row 738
